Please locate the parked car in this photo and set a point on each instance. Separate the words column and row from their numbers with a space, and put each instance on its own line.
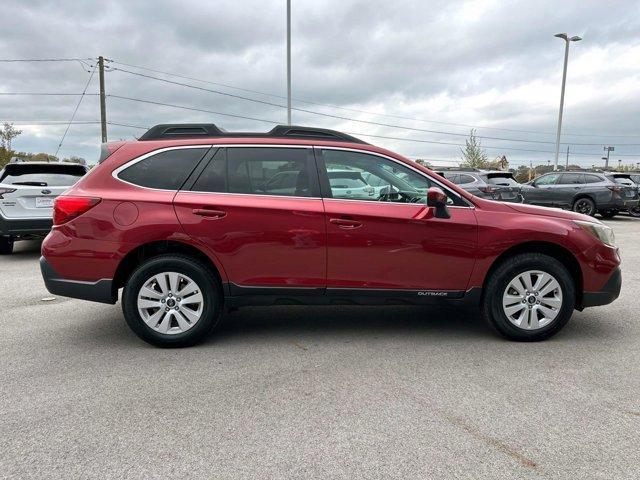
column 179, row 221
column 350, row 184
column 27, row 192
column 583, row 192
column 630, row 180
column 493, row 185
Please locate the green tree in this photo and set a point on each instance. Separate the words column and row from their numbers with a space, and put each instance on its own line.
column 7, row 133
column 473, row 155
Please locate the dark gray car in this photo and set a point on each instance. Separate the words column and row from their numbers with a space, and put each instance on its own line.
column 628, row 179
column 492, row 185
column 583, row 192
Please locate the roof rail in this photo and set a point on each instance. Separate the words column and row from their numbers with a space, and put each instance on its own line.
column 206, row 130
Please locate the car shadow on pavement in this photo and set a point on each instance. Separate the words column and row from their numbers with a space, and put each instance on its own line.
column 26, row 249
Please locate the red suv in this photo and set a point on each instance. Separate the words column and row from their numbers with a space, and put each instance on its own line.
column 191, row 220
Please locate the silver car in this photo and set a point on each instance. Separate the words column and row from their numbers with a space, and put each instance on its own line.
column 27, row 191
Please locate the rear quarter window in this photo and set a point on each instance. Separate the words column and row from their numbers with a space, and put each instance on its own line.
column 166, row 170
column 589, row 178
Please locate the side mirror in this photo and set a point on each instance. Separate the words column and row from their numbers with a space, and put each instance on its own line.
column 437, row 199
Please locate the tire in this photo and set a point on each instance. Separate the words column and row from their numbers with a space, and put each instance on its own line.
column 182, row 323
column 498, row 286
column 585, row 206
column 608, row 213
column 6, row 245
column 634, row 212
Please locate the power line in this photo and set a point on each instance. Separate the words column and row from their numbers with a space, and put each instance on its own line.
column 183, row 107
column 369, row 112
column 16, row 60
column 50, row 122
column 275, row 122
column 349, row 119
column 48, row 94
column 75, row 111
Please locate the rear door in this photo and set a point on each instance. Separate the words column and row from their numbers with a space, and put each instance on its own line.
column 29, row 189
column 390, row 241
column 568, row 186
column 266, row 230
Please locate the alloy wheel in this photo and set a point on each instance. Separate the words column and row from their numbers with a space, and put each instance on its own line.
column 532, row 300
column 170, row 303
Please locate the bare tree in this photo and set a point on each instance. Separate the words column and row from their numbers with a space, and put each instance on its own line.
column 7, row 133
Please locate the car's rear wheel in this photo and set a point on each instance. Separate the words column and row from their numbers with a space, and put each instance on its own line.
column 529, row 297
column 584, row 205
column 172, row 301
column 6, row 245
column 608, row 213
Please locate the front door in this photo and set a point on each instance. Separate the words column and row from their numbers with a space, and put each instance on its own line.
column 257, row 209
column 542, row 190
column 384, row 236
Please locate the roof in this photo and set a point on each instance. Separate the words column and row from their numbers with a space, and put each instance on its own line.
column 209, row 130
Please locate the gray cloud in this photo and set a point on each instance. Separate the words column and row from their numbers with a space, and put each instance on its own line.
column 494, row 64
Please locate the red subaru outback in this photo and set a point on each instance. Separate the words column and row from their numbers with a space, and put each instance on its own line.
column 191, row 220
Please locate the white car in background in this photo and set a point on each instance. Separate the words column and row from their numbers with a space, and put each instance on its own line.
column 350, row 184
column 27, row 191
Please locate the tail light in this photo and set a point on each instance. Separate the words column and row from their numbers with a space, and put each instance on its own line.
column 6, row 190
column 615, row 189
column 67, row 208
column 487, row 189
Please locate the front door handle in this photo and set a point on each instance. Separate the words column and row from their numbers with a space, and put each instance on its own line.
column 209, row 213
column 345, row 223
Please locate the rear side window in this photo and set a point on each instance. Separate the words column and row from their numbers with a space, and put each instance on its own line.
column 592, row 178
column 463, row 179
column 42, row 175
column 258, row 171
column 165, row 170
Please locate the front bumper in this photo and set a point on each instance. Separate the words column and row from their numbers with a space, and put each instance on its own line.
column 20, row 227
column 99, row 291
column 609, row 292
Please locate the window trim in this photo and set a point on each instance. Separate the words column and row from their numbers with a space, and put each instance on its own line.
column 132, row 162
column 322, row 172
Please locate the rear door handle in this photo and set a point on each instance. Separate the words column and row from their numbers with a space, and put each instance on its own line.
column 345, row 223
column 208, row 212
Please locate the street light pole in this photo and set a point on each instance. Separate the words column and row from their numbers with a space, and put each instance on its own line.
column 288, row 62
column 567, row 40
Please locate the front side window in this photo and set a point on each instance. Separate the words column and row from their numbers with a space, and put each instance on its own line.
column 257, row 171
column 165, row 170
column 548, row 179
column 361, row 176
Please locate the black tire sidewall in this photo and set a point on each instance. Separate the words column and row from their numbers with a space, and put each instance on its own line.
column 592, row 212
column 198, row 272
column 492, row 305
column 6, row 245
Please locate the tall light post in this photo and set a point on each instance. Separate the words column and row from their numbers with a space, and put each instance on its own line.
column 567, row 40
column 288, row 62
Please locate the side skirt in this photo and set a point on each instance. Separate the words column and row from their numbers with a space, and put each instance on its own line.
column 238, row 296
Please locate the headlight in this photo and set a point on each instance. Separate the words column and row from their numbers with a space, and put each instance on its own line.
column 598, row 230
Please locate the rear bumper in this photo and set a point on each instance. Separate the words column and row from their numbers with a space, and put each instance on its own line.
column 609, row 292
column 619, row 204
column 18, row 227
column 99, row 291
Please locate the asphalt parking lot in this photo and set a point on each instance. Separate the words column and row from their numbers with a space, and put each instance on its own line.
column 331, row 392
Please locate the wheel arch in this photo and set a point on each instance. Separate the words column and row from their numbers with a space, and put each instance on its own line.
column 554, row 250
column 152, row 249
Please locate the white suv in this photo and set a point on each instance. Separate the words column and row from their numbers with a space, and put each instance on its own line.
column 27, row 191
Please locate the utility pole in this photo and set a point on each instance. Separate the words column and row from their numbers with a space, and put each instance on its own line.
column 103, row 102
column 567, row 40
column 288, row 62
column 566, row 163
column 607, row 149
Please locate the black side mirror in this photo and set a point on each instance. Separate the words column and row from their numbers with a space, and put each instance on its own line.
column 437, row 199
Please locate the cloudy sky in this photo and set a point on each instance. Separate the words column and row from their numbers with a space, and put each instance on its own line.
column 420, row 73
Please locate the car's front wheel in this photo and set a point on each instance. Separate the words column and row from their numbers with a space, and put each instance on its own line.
column 529, row 297
column 172, row 301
